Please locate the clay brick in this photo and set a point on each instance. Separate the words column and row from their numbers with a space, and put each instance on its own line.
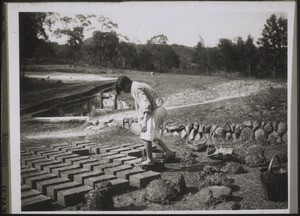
column 96, row 149
column 133, row 162
column 31, row 181
column 52, row 190
column 40, row 151
column 42, row 185
column 25, row 188
column 79, row 178
column 31, row 174
column 115, row 170
column 72, row 196
column 72, row 160
column 126, row 173
column 58, row 145
column 41, row 165
column 69, row 148
column 98, row 179
column 141, row 180
column 49, row 168
column 47, row 152
column 91, row 165
column 30, row 193
column 86, row 145
column 81, row 152
column 128, row 145
column 66, row 155
column 50, row 154
column 112, row 157
column 118, row 150
column 133, row 153
column 82, row 162
column 108, row 149
column 33, row 149
column 123, row 159
column 26, row 160
column 100, row 156
column 76, row 143
column 120, row 186
column 65, row 168
column 34, row 163
column 28, row 170
column 37, row 203
column 102, row 167
column 25, row 154
column 136, row 146
column 70, row 173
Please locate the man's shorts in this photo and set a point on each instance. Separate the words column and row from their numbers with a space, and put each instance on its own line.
column 154, row 124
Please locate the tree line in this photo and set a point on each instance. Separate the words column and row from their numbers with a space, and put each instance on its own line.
column 107, row 48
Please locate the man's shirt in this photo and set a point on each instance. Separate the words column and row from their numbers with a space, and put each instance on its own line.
column 146, row 99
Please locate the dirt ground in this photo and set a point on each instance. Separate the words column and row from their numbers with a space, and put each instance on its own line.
column 186, row 102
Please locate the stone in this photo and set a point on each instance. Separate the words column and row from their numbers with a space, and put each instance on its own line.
column 192, row 135
column 160, row 191
column 273, row 137
column 238, row 129
column 232, row 127
column 183, row 134
column 217, row 179
column 284, row 138
column 260, row 136
column 234, row 168
column 234, row 137
column 268, row 128
column 180, row 185
column 256, row 125
column 201, row 129
column 196, row 126
column 255, row 156
column 213, row 128
column 274, row 124
column 219, row 134
column 282, row 128
column 207, row 128
column 248, row 123
column 247, row 134
column 214, row 194
column 188, row 129
column 175, row 133
column 227, row 127
column 197, row 137
column 141, row 180
column 205, row 195
column 228, row 136
column 263, row 124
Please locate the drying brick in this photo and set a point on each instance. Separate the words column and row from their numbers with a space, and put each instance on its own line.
column 49, row 168
column 41, row 165
column 123, row 159
column 120, row 186
column 126, row 173
column 70, row 173
column 31, row 174
column 30, row 193
column 112, row 157
column 31, row 181
column 98, row 179
column 52, row 190
column 72, row 196
column 42, row 185
column 141, row 180
column 105, row 166
column 67, row 155
column 65, row 168
column 81, row 177
column 133, row 162
column 118, row 150
column 90, row 165
column 72, row 160
column 28, row 170
column 115, row 170
column 37, row 203
column 133, row 153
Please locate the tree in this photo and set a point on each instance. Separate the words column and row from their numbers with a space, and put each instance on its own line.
column 32, row 33
column 226, row 55
column 251, row 56
column 126, row 53
column 201, row 57
column 158, row 39
column 273, row 45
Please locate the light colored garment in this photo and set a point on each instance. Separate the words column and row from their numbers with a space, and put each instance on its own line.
column 146, row 100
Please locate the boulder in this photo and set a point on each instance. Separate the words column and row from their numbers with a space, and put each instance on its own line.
column 234, row 137
column 248, row 123
column 205, row 195
column 274, row 138
column 256, row 125
column 213, row 128
column 281, row 129
column 160, row 191
column 274, row 124
column 228, row 136
column 268, row 128
column 280, row 150
column 201, row 129
column 196, row 126
column 220, row 192
column 246, row 134
column 197, row 137
column 192, row 134
column 188, row 129
column 232, row 127
column 218, row 179
column 260, row 136
column 175, row 133
column 238, row 129
column 166, row 133
column 226, row 127
column 263, row 124
column 255, row 156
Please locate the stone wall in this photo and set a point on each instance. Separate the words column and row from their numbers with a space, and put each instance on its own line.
column 261, row 132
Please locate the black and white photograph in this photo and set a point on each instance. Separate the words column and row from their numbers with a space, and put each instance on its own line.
column 150, row 107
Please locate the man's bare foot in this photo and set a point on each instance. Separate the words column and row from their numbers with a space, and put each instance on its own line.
column 147, row 162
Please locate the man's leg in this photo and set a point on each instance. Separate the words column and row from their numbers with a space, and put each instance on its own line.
column 148, row 148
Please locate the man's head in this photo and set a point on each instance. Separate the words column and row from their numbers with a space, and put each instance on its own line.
column 123, row 84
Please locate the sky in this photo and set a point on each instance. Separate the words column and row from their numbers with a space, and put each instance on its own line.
column 182, row 23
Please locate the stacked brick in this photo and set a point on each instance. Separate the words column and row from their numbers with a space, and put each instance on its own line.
column 64, row 173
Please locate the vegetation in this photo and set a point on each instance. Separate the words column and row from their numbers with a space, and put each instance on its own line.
column 108, row 49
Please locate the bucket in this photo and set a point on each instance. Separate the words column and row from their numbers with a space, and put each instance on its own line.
column 274, row 182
